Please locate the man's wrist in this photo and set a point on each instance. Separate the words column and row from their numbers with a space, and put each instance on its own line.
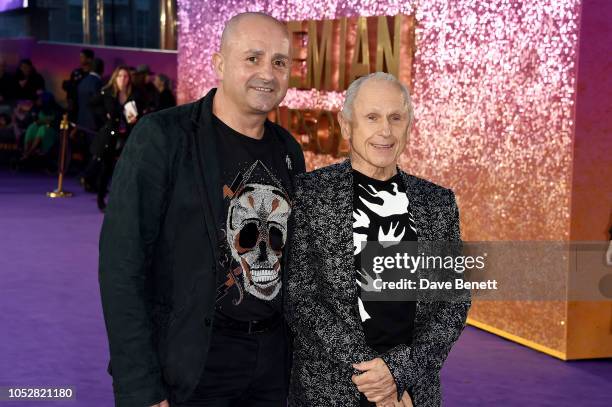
column 397, row 360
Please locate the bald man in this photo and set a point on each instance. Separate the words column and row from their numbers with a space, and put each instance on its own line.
column 194, row 240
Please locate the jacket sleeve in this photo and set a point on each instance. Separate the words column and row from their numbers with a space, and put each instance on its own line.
column 129, row 233
column 434, row 340
column 306, row 312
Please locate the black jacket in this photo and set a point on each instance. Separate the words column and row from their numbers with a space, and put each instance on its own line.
column 109, row 111
column 109, row 115
column 158, row 253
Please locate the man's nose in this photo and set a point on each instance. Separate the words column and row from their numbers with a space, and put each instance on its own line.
column 266, row 72
column 386, row 128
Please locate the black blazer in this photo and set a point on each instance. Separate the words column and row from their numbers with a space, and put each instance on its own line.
column 158, row 253
column 321, row 300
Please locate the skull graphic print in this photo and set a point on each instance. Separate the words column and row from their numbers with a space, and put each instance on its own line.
column 256, row 234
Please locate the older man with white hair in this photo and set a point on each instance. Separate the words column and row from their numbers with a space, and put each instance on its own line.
column 349, row 351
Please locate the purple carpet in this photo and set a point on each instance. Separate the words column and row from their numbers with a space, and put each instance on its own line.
column 52, row 331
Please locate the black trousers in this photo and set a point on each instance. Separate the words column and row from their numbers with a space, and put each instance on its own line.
column 246, row 370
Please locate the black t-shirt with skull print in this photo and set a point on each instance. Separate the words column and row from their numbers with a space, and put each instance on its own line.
column 253, row 229
column 382, row 216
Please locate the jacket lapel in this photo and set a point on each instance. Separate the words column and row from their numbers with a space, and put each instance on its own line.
column 207, row 167
column 342, row 212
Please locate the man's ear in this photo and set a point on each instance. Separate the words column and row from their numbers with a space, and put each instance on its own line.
column 345, row 126
column 217, row 61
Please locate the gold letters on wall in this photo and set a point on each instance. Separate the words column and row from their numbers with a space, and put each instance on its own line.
column 330, row 54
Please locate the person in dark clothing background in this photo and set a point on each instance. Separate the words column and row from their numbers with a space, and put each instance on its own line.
column 147, row 91
column 23, row 116
column 87, row 121
column 7, row 85
column 71, row 85
column 29, row 81
column 164, row 97
column 42, row 135
column 87, row 91
column 7, row 135
column 119, row 108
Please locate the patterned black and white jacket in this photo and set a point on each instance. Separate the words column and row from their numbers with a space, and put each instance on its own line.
column 321, row 295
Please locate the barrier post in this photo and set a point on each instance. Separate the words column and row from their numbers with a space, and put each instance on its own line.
column 59, row 192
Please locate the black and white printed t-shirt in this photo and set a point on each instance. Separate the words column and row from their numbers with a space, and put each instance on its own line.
column 382, row 216
column 253, row 228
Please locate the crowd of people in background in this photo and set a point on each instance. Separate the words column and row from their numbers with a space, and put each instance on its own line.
column 101, row 110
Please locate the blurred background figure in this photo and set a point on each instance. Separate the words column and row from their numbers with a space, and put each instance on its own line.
column 88, row 89
column 41, row 136
column 164, row 97
column 142, row 78
column 7, row 86
column 29, row 81
column 45, row 101
column 23, row 116
column 7, row 134
column 70, row 86
column 87, row 122
column 120, row 109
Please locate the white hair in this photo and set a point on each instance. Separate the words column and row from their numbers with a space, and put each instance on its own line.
column 353, row 90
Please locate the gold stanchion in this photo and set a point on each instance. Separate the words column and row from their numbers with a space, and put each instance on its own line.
column 59, row 192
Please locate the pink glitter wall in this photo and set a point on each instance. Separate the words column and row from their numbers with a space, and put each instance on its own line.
column 494, row 92
column 591, row 215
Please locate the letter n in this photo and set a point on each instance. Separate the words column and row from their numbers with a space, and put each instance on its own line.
column 384, row 51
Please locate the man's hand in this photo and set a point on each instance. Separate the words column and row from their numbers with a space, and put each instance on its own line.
column 406, row 401
column 376, row 381
column 609, row 254
column 162, row 404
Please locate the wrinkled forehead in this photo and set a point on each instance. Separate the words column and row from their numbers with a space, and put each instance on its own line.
column 380, row 95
